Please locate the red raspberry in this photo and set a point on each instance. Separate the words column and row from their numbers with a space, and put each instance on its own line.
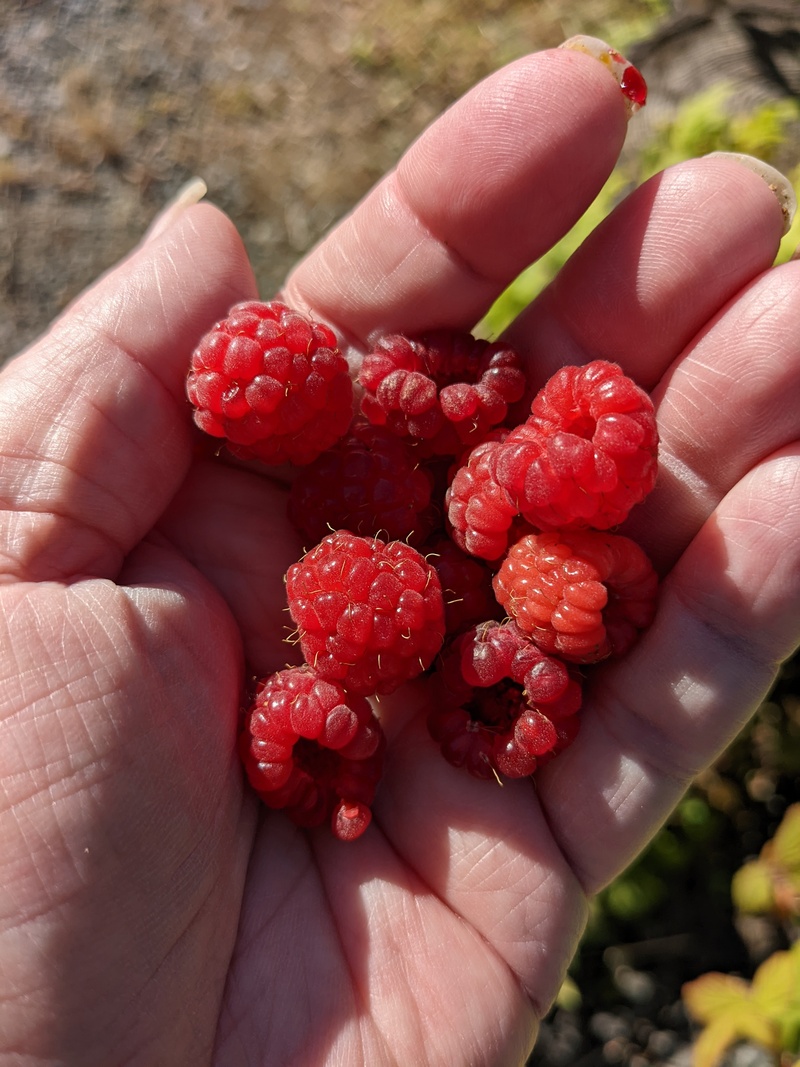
column 312, row 749
column 479, row 511
column 586, row 455
column 500, row 702
column 445, row 389
column 466, row 585
column 580, row 594
column 370, row 615
column 272, row 382
column 368, row 483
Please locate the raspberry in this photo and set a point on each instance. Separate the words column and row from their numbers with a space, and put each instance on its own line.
column 466, row 585
column 587, row 453
column 272, row 382
column 370, row 615
column 479, row 511
column 501, row 702
column 581, row 595
column 367, row 483
column 312, row 749
column 444, row 389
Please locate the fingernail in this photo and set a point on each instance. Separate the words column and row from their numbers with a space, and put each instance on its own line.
column 627, row 77
column 191, row 193
column 779, row 184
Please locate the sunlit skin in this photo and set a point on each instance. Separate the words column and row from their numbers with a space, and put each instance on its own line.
column 150, row 912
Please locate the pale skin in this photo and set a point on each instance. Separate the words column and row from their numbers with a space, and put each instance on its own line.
column 151, row 913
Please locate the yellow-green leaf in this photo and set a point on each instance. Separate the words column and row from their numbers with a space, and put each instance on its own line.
column 789, row 1027
column 786, row 842
column 776, row 983
column 569, row 995
column 713, row 994
column 729, row 1029
column 751, row 888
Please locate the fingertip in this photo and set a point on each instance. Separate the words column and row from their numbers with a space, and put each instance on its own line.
column 214, row 243
column 190, row 193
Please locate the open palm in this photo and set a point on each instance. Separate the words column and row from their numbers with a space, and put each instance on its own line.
column 150, row 912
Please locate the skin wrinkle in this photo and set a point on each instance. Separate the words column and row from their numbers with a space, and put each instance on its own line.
column 240, row 1027
column 591, row 882
column 66, row 771
column 112, row 642
column 360, row 996
column 393, row 198
column 178, row 938
column 584, row 315
column 452, row 910
column 458, row 257
column 664, row 754
column 97, row 305
column 410, row 1002
column 60, row 658
column 108, row 497
column 539, row 1009
column 21, row 911
column 103, row 538
column 400, row 958
column 242, row 286
column 42, row 853
column 161, row 289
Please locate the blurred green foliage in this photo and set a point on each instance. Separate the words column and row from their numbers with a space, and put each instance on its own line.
column 770, row 884
column 765, row 1011
column 703, row 123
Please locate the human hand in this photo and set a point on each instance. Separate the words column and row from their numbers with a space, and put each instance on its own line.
column 151, row 912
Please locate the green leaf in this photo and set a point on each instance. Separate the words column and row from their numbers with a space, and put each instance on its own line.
column 789, row 1026
column 714, row 994
column 751, row 888
column 786, row 842
column 776, row 984
column 729, row 1029
column 569, row 995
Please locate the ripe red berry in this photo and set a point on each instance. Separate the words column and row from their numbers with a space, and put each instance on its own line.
column 369, row 615
column 499, row 702
column 313, row 750
column 466, row 585
column 272, row 383
column 587, row 453
column 581, row 594
column 444, row 389
column 368, row 483
column 479, row 510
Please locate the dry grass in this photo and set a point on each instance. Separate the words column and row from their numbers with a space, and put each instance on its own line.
column 289, row 110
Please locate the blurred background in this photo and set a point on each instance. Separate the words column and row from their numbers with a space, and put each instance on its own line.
column 290, row 110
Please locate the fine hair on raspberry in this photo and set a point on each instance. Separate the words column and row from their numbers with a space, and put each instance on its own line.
column 582, row 595
column 587, row 453
column 501, row 705
column 443, row 390
column 369, row 614
column 451, row 535
column 272, row 383
column 314, row 751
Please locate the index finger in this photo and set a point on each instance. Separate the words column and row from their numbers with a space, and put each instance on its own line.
column 488, row 188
